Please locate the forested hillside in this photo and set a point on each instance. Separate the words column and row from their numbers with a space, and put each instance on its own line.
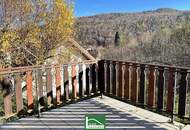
column 149, row 36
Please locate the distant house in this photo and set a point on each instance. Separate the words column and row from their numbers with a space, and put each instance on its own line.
column 69, row 51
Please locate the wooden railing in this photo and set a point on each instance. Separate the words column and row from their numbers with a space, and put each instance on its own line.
column 37, row 88
column 163, row 89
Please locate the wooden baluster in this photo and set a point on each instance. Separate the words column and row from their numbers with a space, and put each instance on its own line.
column 120, row 90
column 101, row 82
column 77, row 80
column 83, row 79
column 151, row 88
column 74, row 82
column 66, row 84
column 40, row 87
column 62, row 82
column 170, row 90
column 80, row 82
column 182, row 93
column 117, row 79
column 58, row 85
column 19, row 98
column 29, row 89
column 105, row 76
column 160, row 102
column 111, row 75
column 114, row 78
column 94, row 78
column 123, row 79
column 53, row 71
column 87, row 80
column 142, row 85
column 90, row 79
column 49, row 87
column 108, row 77
column 134, row 84
column 70, row 80
column 126, row 82
column 7, row 98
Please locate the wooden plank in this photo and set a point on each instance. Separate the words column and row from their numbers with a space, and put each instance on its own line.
column 74, row 82
column 108, row 77
column 77, row 80
column 87, row 80
column 142, row 85
column 101, row 83
column 58, row 84
column 126, row 82
column 105, row 75
column 66, row 84
column 19, row 98
column 49, row 86
column 151, row 87
column 114, row 78
column 134, row 93
column 40, row 87
column 70, row 81
column 170, row 96
column 29, row 89
column 7, row 98
column 182, row 93
column 53, row 72
column 94, row 78
column 80, row 81
column 62, row 82
column 83, row 79
column 160, row 95
column 120, row 89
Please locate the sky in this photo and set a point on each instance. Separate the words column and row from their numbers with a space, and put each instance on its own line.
column 92, row 7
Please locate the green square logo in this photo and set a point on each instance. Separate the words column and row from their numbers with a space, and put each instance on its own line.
column 95, row 122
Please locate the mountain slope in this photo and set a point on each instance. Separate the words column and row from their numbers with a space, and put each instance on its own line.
column 100, row 30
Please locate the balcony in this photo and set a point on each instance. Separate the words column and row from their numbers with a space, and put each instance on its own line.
column 135, row 95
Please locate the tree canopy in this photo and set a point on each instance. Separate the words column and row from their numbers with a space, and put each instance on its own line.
column 30, row 29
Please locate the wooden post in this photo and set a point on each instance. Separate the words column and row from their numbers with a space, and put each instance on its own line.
column 62, row 81
column 58, row 84
column 53, row 72
column 74, row 81
column 134, row 84
column 49, row 87
column 142, row 85
column 170, row 90
column 7, row 98
column 101, row 82
column 94, row 78
column 126, row 82
column 70, row 79
column 87, row 80
column 29, row 89
column 151, row 87
column 182, row 93
column 19, row 99
column 160, row 95
column 77, row 80
column 40, row 87
column 66, row 83
column 114, row 78
column 84, row 79
column 120, row 90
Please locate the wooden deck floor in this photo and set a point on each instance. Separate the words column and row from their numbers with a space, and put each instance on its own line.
column 119, row 116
